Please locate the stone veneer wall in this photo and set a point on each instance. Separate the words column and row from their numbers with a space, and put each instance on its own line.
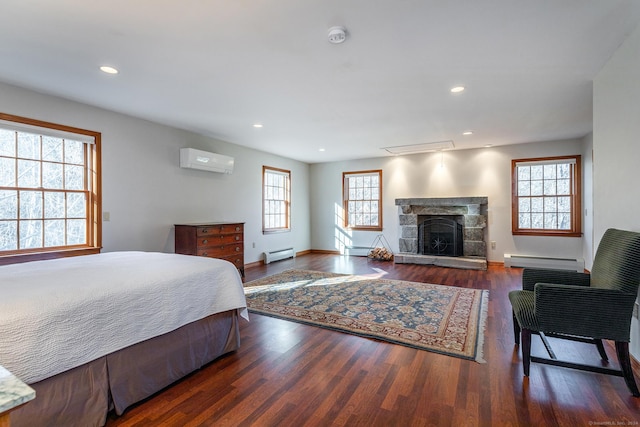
column 472, row 209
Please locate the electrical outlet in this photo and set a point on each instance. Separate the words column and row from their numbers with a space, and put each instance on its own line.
column 253, row 245
column 493, row 244
column 635, row 309
column 106, row 216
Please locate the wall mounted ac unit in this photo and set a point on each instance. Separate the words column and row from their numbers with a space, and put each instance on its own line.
column 190, row 158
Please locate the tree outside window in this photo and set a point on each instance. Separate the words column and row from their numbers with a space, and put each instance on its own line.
column 362, row 200
column 276, row 199
column 49, row 190
column 546, row 196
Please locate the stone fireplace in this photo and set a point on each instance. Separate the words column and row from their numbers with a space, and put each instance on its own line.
column 447, row 232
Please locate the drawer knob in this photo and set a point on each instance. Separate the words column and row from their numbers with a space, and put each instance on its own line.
column 237, row 228
column 237, row 237
column 204, row 242
column 204, row 230
column 237, row 248
column 204, row 254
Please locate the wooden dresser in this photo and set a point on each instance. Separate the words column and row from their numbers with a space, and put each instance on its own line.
column 224, row 240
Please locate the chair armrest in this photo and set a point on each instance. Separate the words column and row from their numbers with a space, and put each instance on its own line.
column 531, row 276
column 588, row 312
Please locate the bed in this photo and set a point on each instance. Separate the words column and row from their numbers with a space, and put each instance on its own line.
column 101, row 332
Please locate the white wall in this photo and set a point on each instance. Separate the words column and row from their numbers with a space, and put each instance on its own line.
column 146, row 192
column 616, row 148
column 464, row 173
column 588, row 247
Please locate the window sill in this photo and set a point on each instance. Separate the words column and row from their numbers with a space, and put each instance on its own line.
column 547, row 233
column 279, row 230
column 364, row 228
column 39, row 256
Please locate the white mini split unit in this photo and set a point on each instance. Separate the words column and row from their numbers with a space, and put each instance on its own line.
column 190, row 158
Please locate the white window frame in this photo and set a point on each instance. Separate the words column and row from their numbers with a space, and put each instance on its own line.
column 276, row 200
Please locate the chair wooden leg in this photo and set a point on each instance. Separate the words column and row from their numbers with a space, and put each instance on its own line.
column 622, row 350
column 516, row 328
column 601, row 350
column 526, row 351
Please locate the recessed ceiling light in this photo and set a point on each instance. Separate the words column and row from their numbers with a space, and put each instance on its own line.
column 321, row 149
column 337, row 35
column 257, row 125
column 467, row 132
column 457, row 89
column 488, row 145
column 109, row 70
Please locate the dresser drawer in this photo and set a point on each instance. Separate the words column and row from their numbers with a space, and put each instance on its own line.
column 237, row 260
column 219, row 239
column 221, row 251
column 216, row 229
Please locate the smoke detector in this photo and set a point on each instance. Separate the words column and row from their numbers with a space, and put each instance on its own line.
column 337, row 35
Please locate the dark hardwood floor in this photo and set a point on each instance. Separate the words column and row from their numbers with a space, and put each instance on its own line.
column 289, row 374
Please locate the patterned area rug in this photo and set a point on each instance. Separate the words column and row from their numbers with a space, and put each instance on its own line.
column 442, row 319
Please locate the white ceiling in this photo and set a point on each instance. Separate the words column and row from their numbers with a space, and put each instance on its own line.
column 217, row 67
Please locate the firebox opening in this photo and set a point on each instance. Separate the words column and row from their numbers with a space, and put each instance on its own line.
column 441, row 236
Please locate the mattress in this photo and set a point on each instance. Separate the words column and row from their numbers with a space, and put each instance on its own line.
column 58, row 314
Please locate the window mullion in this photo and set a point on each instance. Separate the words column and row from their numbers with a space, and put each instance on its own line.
column 18, row 214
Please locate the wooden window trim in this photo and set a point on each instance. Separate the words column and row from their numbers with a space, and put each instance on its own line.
column 287, row 226
column 576, row 200
column 94, row 200
column 345, row 201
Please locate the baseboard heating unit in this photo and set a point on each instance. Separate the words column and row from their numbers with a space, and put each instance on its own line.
column 576, row 264
column 279, row 255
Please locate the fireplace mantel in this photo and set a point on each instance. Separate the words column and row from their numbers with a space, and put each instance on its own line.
column 473, row 210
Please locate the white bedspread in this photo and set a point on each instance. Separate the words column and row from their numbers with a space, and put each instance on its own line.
column 59, row 314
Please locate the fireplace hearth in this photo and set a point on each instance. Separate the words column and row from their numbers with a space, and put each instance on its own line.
column 447, row 232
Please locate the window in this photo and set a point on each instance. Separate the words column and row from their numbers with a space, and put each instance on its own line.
column 362, row 198
column 546, row 196
column 276, row 199
column 49, row 190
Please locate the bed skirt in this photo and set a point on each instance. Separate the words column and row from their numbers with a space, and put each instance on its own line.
column 84, row 395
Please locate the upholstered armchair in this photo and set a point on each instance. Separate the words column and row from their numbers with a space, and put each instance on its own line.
column 583, row 307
